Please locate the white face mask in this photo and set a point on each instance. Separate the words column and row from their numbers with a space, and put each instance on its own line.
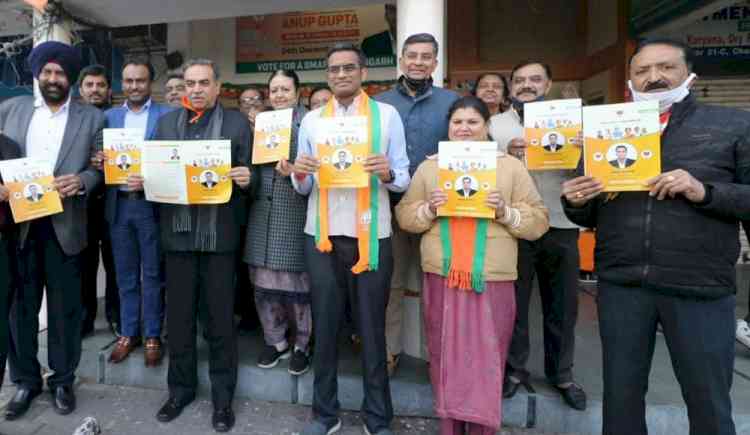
column 665, row 98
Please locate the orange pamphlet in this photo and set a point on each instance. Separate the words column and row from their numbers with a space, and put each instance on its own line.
column 32, row 194
column 198, row 174
column 622, row 144
column 342, row 148
column 468, row 172
column 549, row 127
column 273, row 135
column 122, row 148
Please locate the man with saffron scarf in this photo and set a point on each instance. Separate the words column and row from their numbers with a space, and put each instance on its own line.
column 200, row 243
column 348, row 243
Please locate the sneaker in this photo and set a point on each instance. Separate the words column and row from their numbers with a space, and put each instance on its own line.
column 270, row 356
column 300, row 363
column 742, row 334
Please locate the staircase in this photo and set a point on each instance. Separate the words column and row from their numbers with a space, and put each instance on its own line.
column 728, row 92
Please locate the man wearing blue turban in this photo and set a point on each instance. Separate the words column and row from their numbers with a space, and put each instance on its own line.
column 67, row 134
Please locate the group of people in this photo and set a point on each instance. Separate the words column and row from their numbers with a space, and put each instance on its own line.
column 310, row 251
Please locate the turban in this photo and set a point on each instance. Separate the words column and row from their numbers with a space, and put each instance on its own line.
column 56, row 52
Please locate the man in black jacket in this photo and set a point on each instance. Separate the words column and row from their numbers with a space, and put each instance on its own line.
column 667, row 256
column 200, row 243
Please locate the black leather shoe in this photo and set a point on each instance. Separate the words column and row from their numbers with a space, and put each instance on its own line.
column 574, row 396
column 63, row 400
column 20, row 403
column 510, row 388
column 171, row 410
column 223, row 420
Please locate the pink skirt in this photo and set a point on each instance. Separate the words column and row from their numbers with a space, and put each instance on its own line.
column 468, row 336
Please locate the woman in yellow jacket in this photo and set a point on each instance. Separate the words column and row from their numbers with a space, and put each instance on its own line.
column 469, row 268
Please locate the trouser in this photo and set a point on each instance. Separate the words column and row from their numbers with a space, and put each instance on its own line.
column 554, row 260
column 406, row 265
column 330, row 273
column 208, row 278
column 42, row 263
column 277, row 316
column 7, row 290
column 135, row 239
column 99, row 240
column 700, row 337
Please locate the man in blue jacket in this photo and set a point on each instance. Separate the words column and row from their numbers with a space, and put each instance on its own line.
column 134, row 228
column 424, row 111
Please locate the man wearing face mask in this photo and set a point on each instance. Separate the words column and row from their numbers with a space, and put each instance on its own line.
column 423, row 108
column 553, row 258
column 667, row 256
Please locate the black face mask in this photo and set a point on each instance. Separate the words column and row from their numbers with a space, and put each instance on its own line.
column 419, row 86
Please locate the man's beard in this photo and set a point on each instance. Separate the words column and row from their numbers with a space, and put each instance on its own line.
column 54, row 93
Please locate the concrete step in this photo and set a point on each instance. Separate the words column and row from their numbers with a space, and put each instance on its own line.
column 723, row 81
column 722, row 100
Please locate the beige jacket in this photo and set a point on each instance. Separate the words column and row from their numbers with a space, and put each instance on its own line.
column 526, row 217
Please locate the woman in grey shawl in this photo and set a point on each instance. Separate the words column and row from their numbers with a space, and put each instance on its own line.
column 274, row 246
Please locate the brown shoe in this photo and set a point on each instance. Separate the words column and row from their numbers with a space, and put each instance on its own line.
column 153, row 354
column 123, row 347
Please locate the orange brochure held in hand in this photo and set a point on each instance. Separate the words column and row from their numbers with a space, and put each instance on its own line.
column 468, row 172
column 187, row 172
column 273, row 136
column 549, row 127
column 622, row 144
column 342, row 149
column 32, row 193
column 122, row 148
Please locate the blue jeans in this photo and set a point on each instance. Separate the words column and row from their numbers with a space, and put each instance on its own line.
column 135, row 244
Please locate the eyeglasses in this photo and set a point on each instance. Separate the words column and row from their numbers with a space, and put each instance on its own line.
column 251, row 101
column 348, row 68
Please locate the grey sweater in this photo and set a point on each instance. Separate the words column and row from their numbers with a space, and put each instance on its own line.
column 506, row 126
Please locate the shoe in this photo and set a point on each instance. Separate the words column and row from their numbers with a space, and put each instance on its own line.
column 317, row 428
column 270, row 356
column 20, row 402
column 300, row 363
column 574, row 396
column 510, row 387
column 171, row 410
column 385, row 431
column 392, row 364
column 742, row 334
column 123, row 347
column 153, row 354
column 63, row 399
column 223, row 420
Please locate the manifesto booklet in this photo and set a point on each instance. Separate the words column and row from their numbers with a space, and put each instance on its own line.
column 622, row 144
column 342, row 147
column 122, row 148
column 273, row 136
column 32, row 193
column 468, row 172
column 187, row 172
column 549, row 127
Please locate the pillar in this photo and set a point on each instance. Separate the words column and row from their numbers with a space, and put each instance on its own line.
column 424, row 16
column 419, row 16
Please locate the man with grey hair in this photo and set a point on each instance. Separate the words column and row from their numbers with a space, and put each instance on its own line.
column 423, row 108
column 200, row 244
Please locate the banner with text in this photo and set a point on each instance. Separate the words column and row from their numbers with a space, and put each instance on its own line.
column 299, row 40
